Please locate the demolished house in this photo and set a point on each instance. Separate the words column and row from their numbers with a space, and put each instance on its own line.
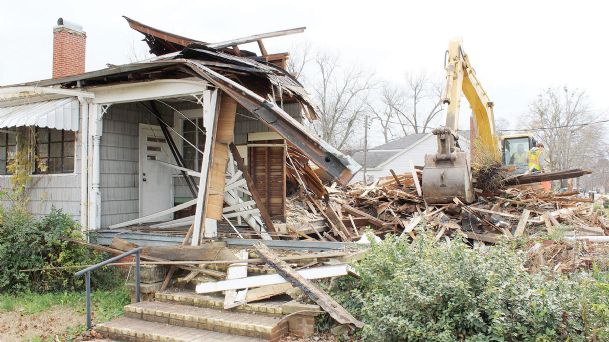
column 151, row 142
column 200, row 156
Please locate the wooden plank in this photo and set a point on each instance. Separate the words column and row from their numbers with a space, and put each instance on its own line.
column 271, row 279
column 395, row 177
column 412, row 224
column 210, row 121
column 327, row 303
column 548, row 223
column 358, row 213
column 336, row 223
column 236, row 184
column 122, row 244
column 243, row 212
column 486, row 237
column 264, row 215
column 238, row 206
column 148, row 218
column 265, row 292
column 546, row 176
column 354, row 226
column 235, row 271
column 207, row 251
column 522, row 223
column 415, row 177
column 256, row 37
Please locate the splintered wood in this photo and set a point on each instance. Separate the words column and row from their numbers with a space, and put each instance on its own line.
column 326, row 302
column 394, row 204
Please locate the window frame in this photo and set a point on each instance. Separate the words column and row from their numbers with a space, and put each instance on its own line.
column 62, row 154
column 6, row 133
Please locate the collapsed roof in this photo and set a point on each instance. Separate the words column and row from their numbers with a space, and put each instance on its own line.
column 255, row 82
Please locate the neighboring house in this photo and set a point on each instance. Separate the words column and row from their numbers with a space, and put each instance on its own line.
column 396, row 155
column 127, row 145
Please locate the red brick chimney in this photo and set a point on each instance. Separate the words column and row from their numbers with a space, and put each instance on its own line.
column 69, row 42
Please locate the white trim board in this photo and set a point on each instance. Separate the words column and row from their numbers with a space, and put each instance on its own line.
column 271, row 279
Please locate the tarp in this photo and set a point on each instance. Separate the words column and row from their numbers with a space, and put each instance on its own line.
column 58, row 114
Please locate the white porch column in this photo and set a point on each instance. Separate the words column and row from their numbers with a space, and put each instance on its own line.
column 96, row 113
column 84, row 162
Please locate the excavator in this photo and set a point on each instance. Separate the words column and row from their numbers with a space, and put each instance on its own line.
column 447, row 174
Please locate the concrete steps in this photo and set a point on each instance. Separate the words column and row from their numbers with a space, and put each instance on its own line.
column 268, row 307
column 129, row 329
column 182, row 315
column 235, row 323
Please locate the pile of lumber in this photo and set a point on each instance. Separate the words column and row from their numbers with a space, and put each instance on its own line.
column 394, row 204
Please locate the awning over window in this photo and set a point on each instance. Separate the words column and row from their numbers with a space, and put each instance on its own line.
column 58, row 114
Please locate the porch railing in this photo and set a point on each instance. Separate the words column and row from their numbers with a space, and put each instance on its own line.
column 87, row 272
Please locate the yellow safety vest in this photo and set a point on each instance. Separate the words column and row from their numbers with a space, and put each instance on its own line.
column 534, row 159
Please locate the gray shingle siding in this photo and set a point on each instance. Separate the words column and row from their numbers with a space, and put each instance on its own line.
column 120, row 161
column 61, row 191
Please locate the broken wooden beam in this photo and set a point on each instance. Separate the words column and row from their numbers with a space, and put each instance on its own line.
column 546, row 176
column 327, row 303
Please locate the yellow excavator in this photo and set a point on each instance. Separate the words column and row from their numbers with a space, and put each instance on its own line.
column 447, row 174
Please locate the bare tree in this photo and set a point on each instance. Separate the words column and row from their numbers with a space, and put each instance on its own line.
column 419, row 103
column 563, row 121
column 383, row 112
column 300, row 56
column 341, row 94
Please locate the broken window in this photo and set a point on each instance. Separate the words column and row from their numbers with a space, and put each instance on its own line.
column 8, row 148
column 54, row 151
column 194, row 135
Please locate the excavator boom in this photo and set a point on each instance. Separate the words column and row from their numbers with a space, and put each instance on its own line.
column 447, row 174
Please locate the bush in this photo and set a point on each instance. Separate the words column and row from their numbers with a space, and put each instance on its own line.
column 421, row 291
column 30, row 243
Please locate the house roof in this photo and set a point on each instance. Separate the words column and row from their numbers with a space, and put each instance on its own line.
column 382, row 153
column 401, row 143
column 374, row 158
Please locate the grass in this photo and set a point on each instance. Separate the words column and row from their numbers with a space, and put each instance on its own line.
column 106, row 305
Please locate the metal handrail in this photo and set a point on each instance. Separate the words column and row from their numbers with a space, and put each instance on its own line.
column 87, row 272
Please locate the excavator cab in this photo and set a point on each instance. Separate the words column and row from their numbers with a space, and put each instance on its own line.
column 515, row 151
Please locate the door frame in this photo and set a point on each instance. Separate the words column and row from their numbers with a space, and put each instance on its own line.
column 140, row 167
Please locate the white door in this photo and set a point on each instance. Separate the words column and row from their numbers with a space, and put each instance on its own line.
column 156, row 190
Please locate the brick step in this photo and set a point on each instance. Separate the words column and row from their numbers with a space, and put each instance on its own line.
column 269, row 307
column 233, row 323
column 130, row 329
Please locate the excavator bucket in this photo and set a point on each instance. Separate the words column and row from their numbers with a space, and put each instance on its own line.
column 447, row 174
column 445, row 180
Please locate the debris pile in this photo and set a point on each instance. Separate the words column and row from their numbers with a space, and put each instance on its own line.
column 394, row 204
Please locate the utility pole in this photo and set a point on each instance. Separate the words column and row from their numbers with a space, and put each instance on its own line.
column 365, row 148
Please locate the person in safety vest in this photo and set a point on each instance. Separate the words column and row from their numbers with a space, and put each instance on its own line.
column 520, row 157
column 536, row 158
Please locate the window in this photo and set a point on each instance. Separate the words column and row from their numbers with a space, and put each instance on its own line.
column 54, row 151
column 8, row 148
column 194, row 135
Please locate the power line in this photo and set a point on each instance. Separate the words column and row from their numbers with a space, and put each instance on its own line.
column 505, row 130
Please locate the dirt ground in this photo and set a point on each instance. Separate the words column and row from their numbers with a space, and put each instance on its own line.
column 15, row 326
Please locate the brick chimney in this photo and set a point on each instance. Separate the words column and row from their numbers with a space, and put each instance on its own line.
column 69, row 42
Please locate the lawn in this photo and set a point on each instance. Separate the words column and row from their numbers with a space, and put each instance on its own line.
column 41, row 317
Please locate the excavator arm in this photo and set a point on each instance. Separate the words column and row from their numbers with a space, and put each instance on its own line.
column 461, row 79
column 447, row 174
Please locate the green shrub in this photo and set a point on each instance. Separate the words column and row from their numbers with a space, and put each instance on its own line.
column 423, row 291
column 30, row 243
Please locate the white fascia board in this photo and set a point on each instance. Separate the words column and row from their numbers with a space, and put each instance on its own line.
column 149, row 90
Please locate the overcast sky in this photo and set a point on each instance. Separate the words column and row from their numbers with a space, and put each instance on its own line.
column 516, row 47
